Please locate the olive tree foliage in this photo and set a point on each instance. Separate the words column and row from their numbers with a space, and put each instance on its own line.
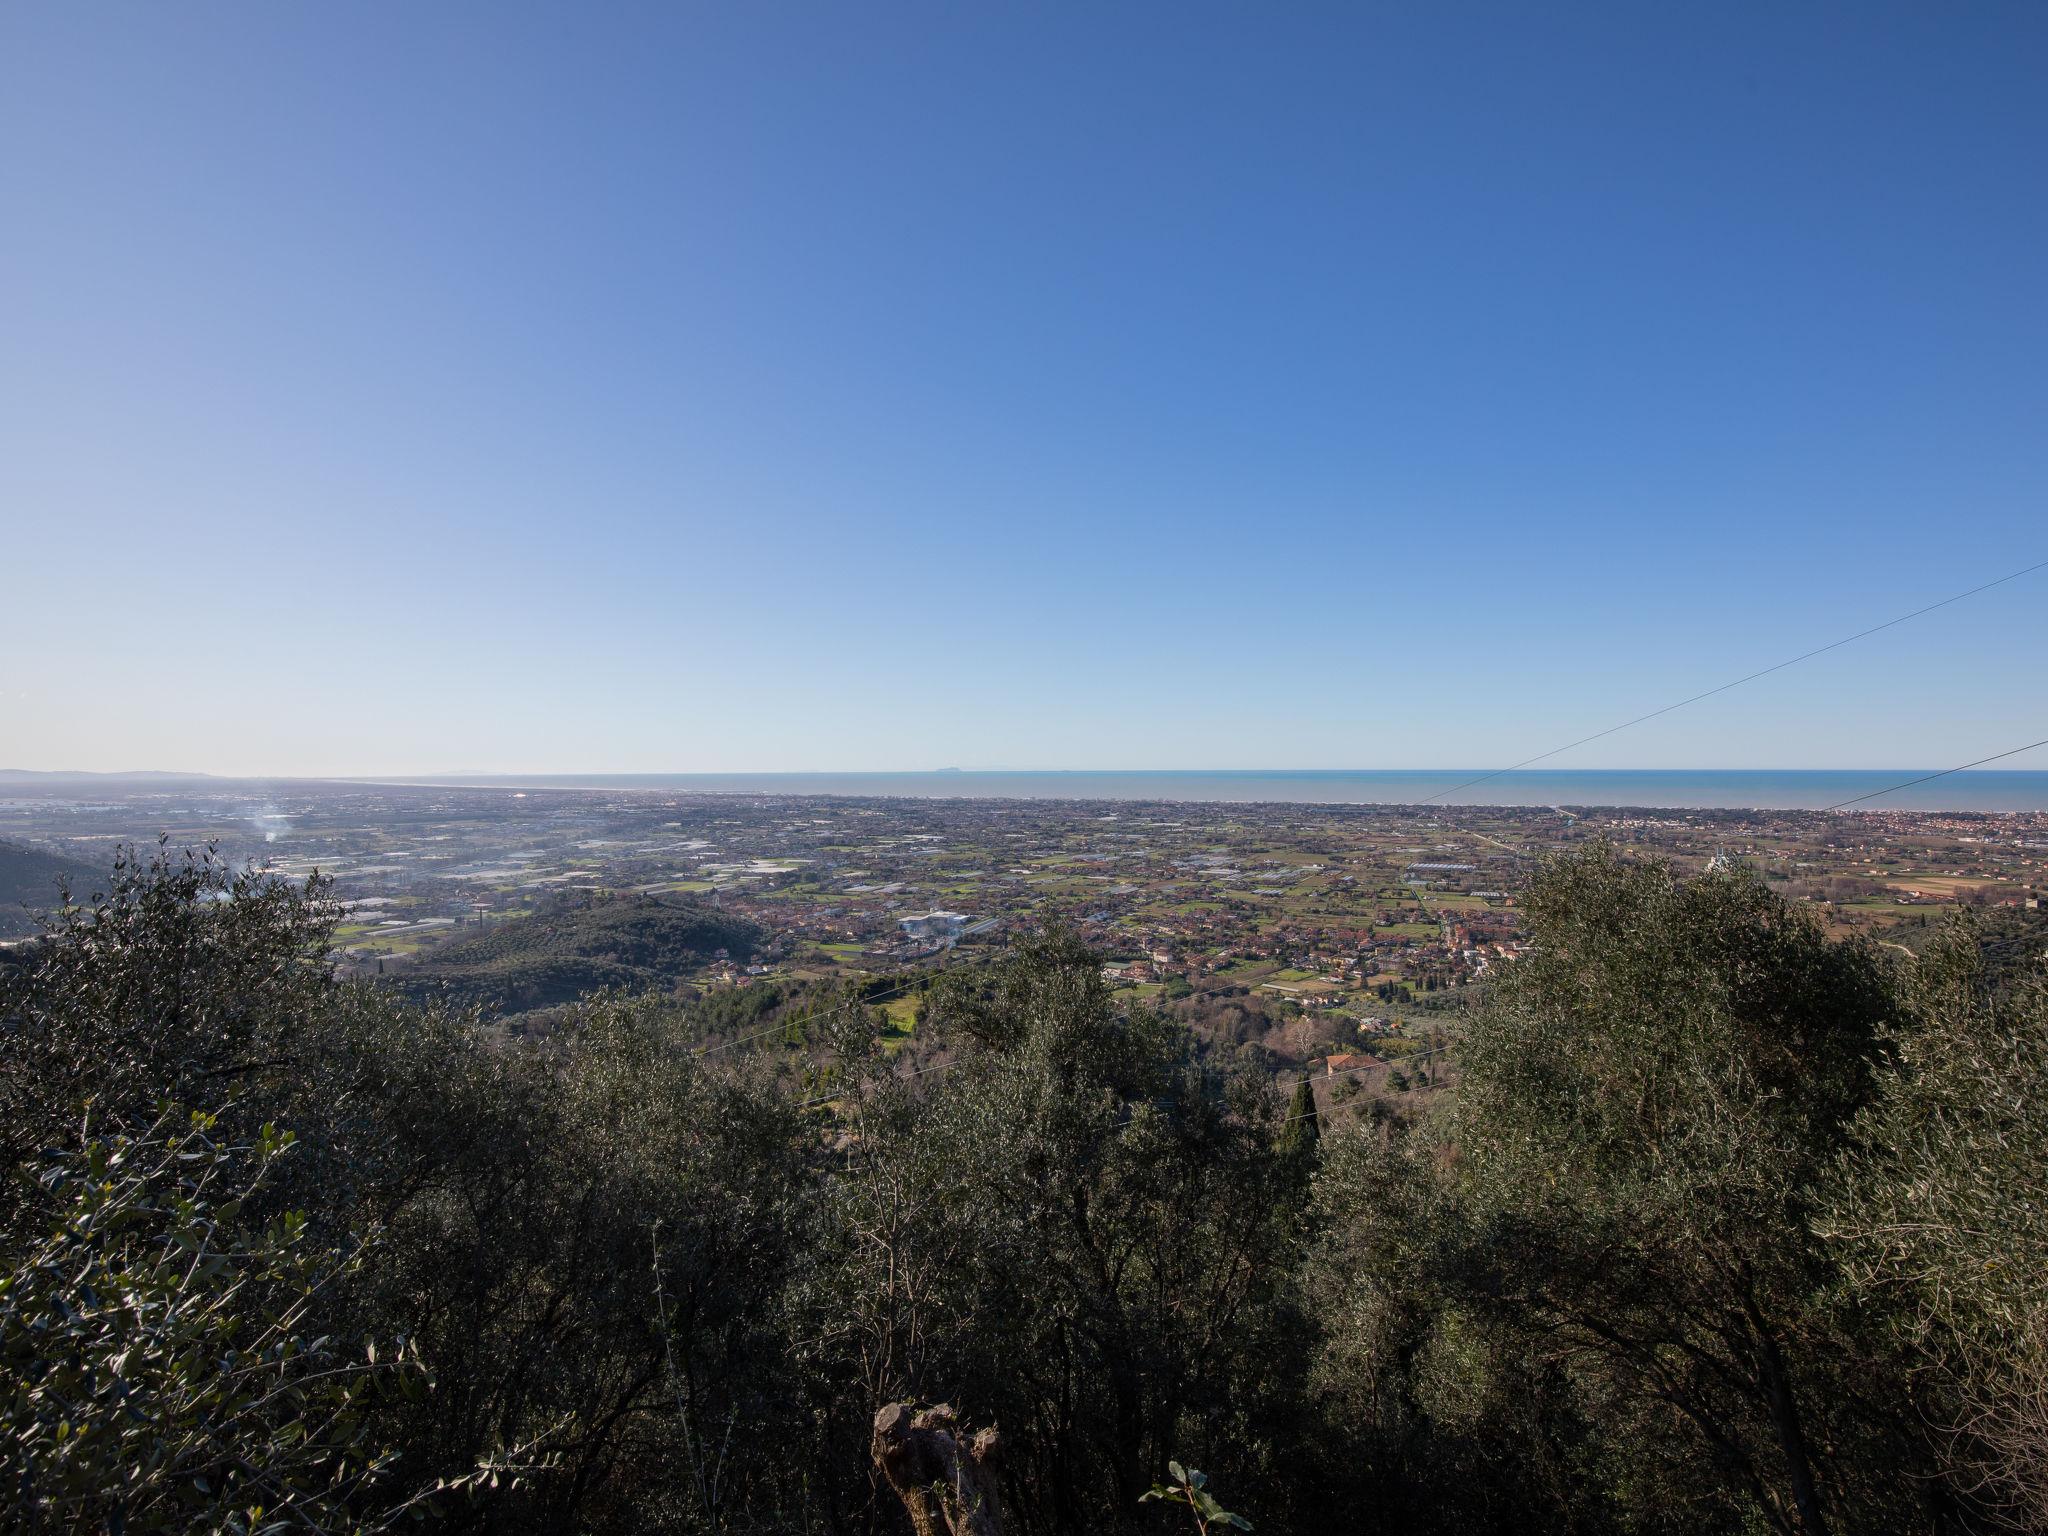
column 1435, row 1414
column 1072, row 1234
column 162, row 1364
column 186, row 979
column 1731, row 1226
column 1652, row 1100
column 1942, row 1212
column 1727, row 1227
column 587, row 1241
column 581, row 1242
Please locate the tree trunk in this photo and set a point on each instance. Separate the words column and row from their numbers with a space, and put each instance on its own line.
column 1777, row 1384
column 946, row 1480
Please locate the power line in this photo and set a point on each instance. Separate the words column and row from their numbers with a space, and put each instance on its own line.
column 1822, row 650
column 785, row 1025
column 1930, row 777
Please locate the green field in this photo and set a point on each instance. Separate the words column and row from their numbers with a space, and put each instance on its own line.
column 1411, row 930
column 902, row 1025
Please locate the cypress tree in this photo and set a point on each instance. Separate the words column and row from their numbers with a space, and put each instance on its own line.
column 1302, row 1133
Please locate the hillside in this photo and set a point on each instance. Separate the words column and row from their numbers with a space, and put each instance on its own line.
column 28, row 884
column 636, row 943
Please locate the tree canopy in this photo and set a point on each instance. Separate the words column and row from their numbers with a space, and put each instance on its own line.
column 1726, row 1225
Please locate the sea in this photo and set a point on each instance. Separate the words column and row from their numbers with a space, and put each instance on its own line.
column 1672, row 788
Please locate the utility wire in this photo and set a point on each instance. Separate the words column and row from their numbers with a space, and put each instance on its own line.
column 786, row 1024
column 827, row 1098
column 1926, row 778
column 1748, row 678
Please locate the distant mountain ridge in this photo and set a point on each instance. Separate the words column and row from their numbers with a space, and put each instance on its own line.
column 635, row 943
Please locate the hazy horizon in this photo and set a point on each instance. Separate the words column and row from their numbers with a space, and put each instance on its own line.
column 396, row 776
column 1897, row 789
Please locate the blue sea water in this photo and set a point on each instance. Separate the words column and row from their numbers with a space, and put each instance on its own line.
column 1675, row 788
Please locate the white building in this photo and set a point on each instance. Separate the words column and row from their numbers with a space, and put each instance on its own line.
column 933, row 925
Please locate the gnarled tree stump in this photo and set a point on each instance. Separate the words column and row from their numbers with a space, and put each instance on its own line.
column 946, row 1480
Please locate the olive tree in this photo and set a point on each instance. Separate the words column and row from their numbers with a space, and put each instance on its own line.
column 1652, row 1099
column 1941, row 1212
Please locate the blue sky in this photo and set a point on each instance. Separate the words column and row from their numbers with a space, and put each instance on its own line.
column 755, row 386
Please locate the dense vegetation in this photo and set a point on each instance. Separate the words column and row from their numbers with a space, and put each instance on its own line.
column 627, row 943
column 32, row 881
column 1728, row 1227
column 2010, row 942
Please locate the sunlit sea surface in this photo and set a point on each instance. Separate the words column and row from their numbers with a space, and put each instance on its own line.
column 1737, row 789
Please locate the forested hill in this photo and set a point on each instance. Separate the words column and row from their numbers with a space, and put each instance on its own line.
column 636, row 943
column 28, row 884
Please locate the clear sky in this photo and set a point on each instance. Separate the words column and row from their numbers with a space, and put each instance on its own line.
column 409, row 388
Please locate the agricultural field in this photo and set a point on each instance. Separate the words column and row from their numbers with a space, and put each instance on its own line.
column 1269, row 928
